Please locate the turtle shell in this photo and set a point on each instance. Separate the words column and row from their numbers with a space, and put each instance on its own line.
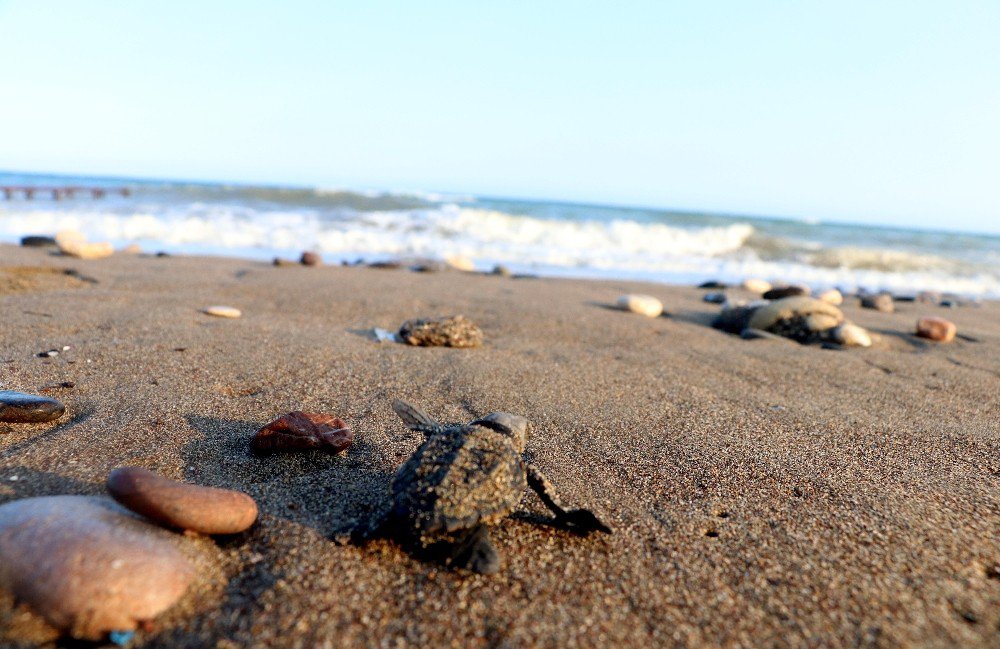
column 461, row 477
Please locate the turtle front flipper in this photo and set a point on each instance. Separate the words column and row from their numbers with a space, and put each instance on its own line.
column 579, row 520
column 415, row 418
column 474, row 551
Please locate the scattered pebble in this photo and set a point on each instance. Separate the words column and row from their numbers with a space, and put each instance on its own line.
column 180, row 505
column 303, row 431
column 88, row 565
column 713, row 284
column 49, row 353
column 714, row 298
column 21, row 408
column 36, row 241
column 386, row 265
column 646, row 305
column 832, row 296
column 74, row 244
column 132, row 249
column 223, row 311
column 755, row 285
column 934, row 328
column 880, row 302
column 455, row 331
column 278, row 261
column 310, row 258
column 501, row 270
column 461, row 262
column 851, row 335
column 785, row 291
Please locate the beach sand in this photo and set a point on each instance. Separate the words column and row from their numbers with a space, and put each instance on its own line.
column 762, row 493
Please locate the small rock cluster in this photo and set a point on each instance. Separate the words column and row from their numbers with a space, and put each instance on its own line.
column 801, row 318
column 454, row 331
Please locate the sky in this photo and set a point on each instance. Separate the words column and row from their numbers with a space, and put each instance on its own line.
column 874, row 112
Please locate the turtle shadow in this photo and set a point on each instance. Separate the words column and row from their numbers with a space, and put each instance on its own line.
column 701, row 318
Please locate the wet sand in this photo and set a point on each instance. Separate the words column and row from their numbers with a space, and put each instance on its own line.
column 762, row 493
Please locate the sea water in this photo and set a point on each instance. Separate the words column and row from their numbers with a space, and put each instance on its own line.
column 546, row 238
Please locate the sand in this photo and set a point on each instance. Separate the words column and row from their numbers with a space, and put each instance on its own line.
column 762, row 493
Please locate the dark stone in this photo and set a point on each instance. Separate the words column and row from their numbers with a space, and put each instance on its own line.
column 734, row 320
column 713, row 284
column 21, row 408
column 33, row 241
column 385, row 265
column 303, row 431
column 162, row 254
column 948, row 304
column 309, row 258
column 714, row 298
column 501, row 270
column 785, row 291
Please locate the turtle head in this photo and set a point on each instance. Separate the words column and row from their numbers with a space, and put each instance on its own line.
column 513, row 426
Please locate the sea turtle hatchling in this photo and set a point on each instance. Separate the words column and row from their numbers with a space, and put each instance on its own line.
column 462, row 479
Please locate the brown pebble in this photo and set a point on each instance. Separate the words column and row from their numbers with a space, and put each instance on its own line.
column 938, row 329
column 881, row 302
column 177, row 504
column 303, row 431
column 455, row 331
column 88, row 565
column 309, row 258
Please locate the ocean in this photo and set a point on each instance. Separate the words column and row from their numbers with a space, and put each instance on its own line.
column 528, row 236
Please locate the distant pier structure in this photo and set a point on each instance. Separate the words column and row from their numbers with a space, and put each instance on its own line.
column 57, row 193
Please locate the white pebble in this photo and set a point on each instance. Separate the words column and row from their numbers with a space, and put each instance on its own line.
column 223, row 311
column 852, row 335
column 756, row 285
column 647, row 305
column 832, row 296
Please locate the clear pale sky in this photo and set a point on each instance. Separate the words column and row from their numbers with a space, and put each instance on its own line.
column 876, row 112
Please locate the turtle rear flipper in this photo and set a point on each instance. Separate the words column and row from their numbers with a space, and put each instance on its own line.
column 414, row 417
column 583, row 521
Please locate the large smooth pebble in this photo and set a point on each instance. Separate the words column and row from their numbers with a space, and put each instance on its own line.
column 832, row 296
column 223, row 311
column 74, row 244
column 177, row 504
column 851, row 335
column 756, row 285
column 88, row 565
column 21, row 408
column 646, row 305
column 938, row 329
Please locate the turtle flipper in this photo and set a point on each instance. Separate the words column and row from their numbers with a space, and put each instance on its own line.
column 580, row 520
column 475, row 551
column 414, row 417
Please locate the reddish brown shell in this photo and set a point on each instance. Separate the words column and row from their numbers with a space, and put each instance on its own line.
column 303, row 431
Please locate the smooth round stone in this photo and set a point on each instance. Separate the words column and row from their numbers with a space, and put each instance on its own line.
column 37, row 241
column 74, row 244
column 223, row 311
column 851, row 335
column 881, row 302
column 461, row 262
column 88, row 565
column 787, row 308
column 310, row 258
column 832, row 296
column 755, row 285
column 938, row 329
column 177, row 504
column 21, row 408
column 646, row 305
column 714, row 298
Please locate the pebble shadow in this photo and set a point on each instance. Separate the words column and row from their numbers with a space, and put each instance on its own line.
column 80, row 416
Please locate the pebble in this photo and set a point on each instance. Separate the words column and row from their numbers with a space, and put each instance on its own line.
column 460, row 262
column 278, row 261
column 712, row 283
column 177, row 504
column 755, row 285
column 88, row 565
column 937, row 329
column 223, row 311
column 646, row 305
column 132, row 249
column 714, row 298
column 501, row 270
column 851, row 335
column 785, row 291
column 455, row 331
column 35, row 241
column 303, row 431
column 74, row 244
column 880, row 302
column 832, row 296
column 21, row 408
column 310, row 258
